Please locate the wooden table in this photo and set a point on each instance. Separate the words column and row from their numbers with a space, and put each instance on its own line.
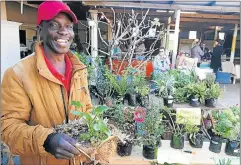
column 167, row 154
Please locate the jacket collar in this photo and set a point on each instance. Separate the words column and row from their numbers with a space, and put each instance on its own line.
column 43, row 69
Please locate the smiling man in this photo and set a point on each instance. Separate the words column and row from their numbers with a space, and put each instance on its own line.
column 37, row 93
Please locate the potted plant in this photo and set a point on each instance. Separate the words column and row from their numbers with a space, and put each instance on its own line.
column 226, row 125
column 124, row 120
column 152, row 128
column 165, row 87
column 141, row 88
column 196, row 93
column 121, row 84
column 178, row 130
column 195, row 136
column 92, row 133
column 211, row 95
column 233, row 134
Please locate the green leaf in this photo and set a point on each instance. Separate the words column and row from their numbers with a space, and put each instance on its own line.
column 76, row 104
column 100, row 109
column 78, row 113
column 96, row 127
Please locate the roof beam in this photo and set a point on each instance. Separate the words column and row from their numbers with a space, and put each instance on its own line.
column 163, row 6
column 186, row 15
column 208, row 16
column 108, row 10
column 212, row 3
column 209, row 20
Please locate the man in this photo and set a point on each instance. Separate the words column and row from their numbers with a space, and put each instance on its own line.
column 216, row 56
column 37, row 92
column 206, row 51
column 196, row 52
column 161, row 62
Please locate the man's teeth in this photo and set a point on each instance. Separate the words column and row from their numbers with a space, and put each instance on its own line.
column 62, row 41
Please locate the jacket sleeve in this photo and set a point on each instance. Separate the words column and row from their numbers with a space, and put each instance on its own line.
column 21, row 138
column 200, row 51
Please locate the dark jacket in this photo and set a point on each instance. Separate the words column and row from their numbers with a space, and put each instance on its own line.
column 216, row 57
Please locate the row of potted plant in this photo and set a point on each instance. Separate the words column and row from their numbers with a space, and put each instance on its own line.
column 179, row 87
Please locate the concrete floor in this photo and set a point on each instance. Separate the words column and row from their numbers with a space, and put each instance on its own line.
column 231, row 95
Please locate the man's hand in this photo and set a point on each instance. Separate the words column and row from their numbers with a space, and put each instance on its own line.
column 61, row 146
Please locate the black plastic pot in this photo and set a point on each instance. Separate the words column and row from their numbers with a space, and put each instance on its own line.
column 215, row 144
column 194, row 102
column 230, row 148
column 168, row 101
column 197, row 142
column 177, row 142
column 124, row 149
column 210, row 102
column 149, row 151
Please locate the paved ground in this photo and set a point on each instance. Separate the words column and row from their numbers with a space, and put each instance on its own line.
column 231, row 94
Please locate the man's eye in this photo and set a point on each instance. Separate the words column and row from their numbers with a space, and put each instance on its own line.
column 54, row 25
column 70, row 26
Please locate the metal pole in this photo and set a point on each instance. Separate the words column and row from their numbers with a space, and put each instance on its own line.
column 176, row 37
column 234, row 43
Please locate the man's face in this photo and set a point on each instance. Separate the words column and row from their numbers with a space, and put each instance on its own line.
column 58, row 34
column 162, row 52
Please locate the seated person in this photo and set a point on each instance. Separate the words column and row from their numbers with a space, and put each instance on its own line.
column 161, row 62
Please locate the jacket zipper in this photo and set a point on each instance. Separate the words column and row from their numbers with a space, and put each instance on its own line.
column 65, row 109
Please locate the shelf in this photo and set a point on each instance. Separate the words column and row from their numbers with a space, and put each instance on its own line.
column 165, row 153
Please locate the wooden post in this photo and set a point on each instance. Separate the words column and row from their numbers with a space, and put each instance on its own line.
column 168, row 33
column 176, row 37
column 94, row 34
column 216, row 33
column 110, row 31
column 94, row 39
column 234, row 43
column 3, row 11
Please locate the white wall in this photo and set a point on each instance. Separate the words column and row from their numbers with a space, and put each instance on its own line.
column 10, row 44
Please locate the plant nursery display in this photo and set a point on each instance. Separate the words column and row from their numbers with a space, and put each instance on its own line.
column 195, row 135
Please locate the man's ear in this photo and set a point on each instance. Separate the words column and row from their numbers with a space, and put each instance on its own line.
column 39, row 32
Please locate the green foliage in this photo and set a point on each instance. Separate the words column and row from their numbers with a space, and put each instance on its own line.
column 181, row 79
column 140, row 84
column 184, row 125
column 198, row 90
column 165, row 85
column 97, row 126
column 210, row 79
column 152, row 127
column 223, row 161
column 191, row 129
column 180, row 95
column 213, row 91
column 227, row 123
column 121, row 86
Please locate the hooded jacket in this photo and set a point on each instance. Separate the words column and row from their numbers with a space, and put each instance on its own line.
column 34, row 101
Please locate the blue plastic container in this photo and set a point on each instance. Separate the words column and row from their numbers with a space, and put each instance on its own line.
column 223, row 78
